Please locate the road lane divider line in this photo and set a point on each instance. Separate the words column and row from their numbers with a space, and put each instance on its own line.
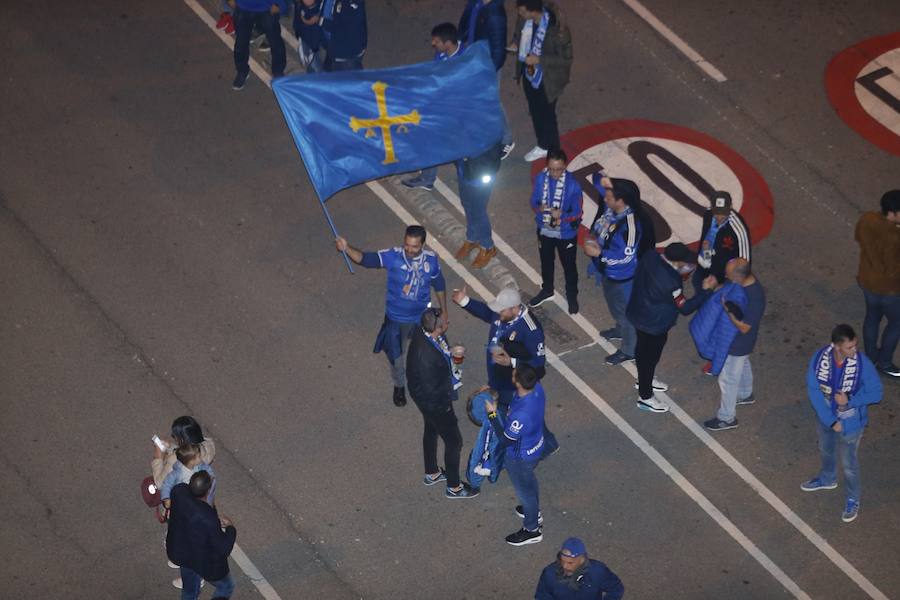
column 674, row 39
column 405, row 216
column 704, row 436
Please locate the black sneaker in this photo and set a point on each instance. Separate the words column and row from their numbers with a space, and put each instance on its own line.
column 399, row 396
column 612, row 333
column 890, row 369
column 240, row 80
column 617, row 358
column 715, row 424
column 466, row 491
column 541, row 297
column 748, row 400
column 520, row 512
column 429, row 480
column 523, row 537
column 573, row 306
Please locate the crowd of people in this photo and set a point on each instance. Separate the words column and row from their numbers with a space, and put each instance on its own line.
column 643, row 288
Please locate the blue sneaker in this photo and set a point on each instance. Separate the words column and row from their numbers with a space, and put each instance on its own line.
column 851, row 511
column 816, row 484
column 418, row 182
column 428, row 480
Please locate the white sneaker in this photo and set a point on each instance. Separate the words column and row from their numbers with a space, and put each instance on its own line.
column 172, row 565
column 658, row 386
column 652, row 404
column 535, row 153
column 177, row 583
column 507, row 148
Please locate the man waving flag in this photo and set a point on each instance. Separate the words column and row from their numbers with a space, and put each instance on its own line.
column 356, row 126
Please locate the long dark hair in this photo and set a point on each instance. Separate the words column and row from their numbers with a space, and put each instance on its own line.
column 186, row 430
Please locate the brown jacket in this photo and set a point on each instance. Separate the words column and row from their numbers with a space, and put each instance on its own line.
column 879, row 254
column 556, row 54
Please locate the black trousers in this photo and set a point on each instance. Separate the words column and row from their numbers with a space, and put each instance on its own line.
column 647, row 353
column 543, row 115
column 442, row 424
column 567, row 250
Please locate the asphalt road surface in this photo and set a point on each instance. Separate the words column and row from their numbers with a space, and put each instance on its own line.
column 163, row 254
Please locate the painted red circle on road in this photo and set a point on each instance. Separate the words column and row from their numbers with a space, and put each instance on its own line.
column 757, row 206
column 841, row 83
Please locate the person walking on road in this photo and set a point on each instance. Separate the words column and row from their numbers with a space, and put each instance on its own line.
column 545, row 60
column 656, row 300
column 264, row 14
column 878, row 236
column 841, row 383
column 736, row 376
column 412, row 271
column 556, row 201
column 486, row 20
column 575, row 576
column 724, row 236
column 614, row 243
column 433, row 385
column 198, row 540
column 523, row 438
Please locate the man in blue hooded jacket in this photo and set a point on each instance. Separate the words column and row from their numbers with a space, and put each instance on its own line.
column 574, row 576
column 841, row 382
column 346, row 34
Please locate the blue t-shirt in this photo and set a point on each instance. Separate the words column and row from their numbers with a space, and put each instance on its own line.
column 756, row 306
column 409, row 283
column 525, row 425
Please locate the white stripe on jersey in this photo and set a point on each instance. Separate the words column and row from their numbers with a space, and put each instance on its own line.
column 742, row 235
column 632, row 233
column 526, row 316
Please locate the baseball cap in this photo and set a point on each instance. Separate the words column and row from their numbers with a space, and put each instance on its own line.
column 572, row 548
column 678, row 252
column 720, row 203
column 507, row 298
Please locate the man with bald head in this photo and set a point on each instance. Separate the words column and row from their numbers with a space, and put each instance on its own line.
column 736, row 377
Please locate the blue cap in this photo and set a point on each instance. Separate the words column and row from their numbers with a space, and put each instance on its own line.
column 572, row 548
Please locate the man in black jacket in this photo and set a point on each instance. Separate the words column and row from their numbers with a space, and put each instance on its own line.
column 653, row 308
column 724, row 236
column 432, row 385
column 195, row 540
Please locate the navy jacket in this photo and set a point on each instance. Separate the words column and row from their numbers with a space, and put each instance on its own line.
column 656, row 297
column 345, row 30
column 428, row 374
column 490, row 25
column 195, row 540
column 597, row 583
column 526, row 333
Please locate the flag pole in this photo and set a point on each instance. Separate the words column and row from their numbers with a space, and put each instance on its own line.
column 334, row 231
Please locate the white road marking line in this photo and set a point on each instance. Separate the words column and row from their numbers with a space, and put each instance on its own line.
column 260, row 582
column 704, row 436
column 673, row 38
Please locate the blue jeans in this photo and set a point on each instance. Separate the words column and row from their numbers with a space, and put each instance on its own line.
column 243, row 28
column 617, row 294
column 190, row 585
column 878, row 307
column 521, row 473
column 735, row 382
column 474, row 197
column 848, row 446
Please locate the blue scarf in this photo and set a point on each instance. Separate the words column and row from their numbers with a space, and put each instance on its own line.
column 849, row 379
column 441, row 344
column 532, row 42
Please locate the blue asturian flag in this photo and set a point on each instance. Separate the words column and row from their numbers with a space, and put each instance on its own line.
column 354, row 126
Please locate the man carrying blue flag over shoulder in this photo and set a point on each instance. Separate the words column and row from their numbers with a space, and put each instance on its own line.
column 411, row 273
column 841, row 382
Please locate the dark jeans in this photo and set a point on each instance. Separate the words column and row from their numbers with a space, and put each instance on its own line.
column 878, row 307
column 521, row 473
column 190, row 585
column 442, row 424
column 543, row 115
column 270, row 25
column 567, row 250
column 351, row 64
column 647, row 353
